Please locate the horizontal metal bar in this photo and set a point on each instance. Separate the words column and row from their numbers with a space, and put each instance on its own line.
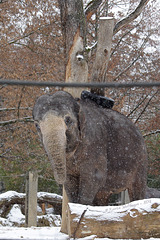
column 80, row 85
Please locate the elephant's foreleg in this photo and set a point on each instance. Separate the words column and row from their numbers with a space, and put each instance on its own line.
column 89, row 186
column 102, row 198
column 87, row 193
column 72, row 187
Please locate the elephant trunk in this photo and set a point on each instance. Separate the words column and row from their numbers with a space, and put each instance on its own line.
column 54, row 139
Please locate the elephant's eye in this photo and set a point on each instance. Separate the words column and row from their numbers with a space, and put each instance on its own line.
column 38, row 127
column 68, row 120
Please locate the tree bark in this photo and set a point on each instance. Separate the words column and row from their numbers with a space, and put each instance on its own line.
column 103, row 52
column 74, row 32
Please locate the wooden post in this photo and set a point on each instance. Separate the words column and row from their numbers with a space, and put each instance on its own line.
column 64, row 225
column 125, row 197
column 31, row 199
column 105, row 34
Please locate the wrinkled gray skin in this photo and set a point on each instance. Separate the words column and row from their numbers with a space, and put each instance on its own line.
column 152, row 193
column 94, row 151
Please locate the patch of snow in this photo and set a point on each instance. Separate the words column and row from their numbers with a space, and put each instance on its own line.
column 54, row 195
column 90, row 47
column 106, row 18
column 32, row 233
column 150, row 49
column 79, row 57
column 42, row 233
column 5, row 222
column 93, row 17
column 39, row 14
column 15, row 215
column 11, row 194
column 133, row 31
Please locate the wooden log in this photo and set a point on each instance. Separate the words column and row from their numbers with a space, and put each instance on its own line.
column 138, row 219
column 31, row 199
column 8, row 199
column 52, row 199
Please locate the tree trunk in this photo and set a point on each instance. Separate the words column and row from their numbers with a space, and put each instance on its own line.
column 103, row 52
column 74, row 32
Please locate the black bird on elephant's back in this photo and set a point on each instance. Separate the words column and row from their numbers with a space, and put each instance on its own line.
column 94, row 151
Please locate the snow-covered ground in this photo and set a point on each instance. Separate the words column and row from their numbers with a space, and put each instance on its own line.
column 40, row 233
column 32, row 233
column 15, row 216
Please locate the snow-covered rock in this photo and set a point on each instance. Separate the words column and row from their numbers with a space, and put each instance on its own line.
column 15, row 216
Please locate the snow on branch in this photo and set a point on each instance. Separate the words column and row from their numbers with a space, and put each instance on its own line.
column 130, row 17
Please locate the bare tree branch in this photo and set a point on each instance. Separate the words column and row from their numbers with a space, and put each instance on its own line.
column 151, row 133
column 19, row 103
column 130, row 17
column 119, row 41
column 2, row 1
column 132, row 63
column 91, row 8
column 25, row 119
column 147, row 104
column 13, row 109
column 79, row 222
column 137, row 106
column 26, row 35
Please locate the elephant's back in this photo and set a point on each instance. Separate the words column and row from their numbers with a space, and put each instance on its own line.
column 121, row 140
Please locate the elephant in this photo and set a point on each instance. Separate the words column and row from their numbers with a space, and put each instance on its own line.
column 94, row 151
column 152, row 193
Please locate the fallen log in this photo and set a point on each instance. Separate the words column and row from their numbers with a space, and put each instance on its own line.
column 138, row 219
column 52, row 199
column 8, row 199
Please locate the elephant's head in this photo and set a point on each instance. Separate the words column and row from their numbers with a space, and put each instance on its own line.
column 57, row 121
